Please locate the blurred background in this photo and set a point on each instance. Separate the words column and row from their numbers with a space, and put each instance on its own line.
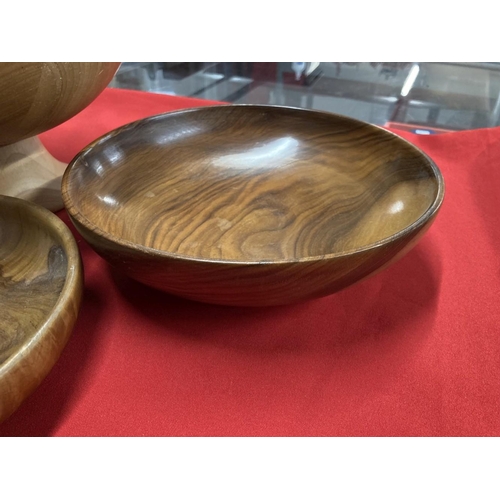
column 424, row 98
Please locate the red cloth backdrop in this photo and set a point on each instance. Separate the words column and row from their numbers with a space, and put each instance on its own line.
column 414, row 350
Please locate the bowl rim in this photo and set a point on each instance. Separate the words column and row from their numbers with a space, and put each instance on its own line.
column 80, row 218
column 73, row 280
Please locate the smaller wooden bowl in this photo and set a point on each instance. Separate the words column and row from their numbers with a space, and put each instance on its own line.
column 41, row 283
column 251, row 205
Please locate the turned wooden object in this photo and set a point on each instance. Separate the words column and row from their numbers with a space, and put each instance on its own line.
column 251, row 205
column 35, row 97
column 41, row 284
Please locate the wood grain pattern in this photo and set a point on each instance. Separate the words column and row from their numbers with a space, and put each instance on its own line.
column 30, row 172
column 40, row 291
column 35, row 97
column 251, row 205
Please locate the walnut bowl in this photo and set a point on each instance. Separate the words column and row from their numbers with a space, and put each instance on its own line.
column 41, row 284
column 251, row 205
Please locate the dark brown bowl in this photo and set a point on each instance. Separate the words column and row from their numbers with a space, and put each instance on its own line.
column 40, row 290
column 251, row 205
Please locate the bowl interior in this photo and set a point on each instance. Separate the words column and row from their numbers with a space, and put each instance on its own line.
column 33, row 272
column 251, row 184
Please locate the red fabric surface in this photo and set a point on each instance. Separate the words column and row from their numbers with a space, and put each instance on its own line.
column 414, row 350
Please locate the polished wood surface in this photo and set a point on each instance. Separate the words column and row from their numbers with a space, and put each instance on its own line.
column 35, row 97
column 40, row 291
column 251, row 205
column 30, row 172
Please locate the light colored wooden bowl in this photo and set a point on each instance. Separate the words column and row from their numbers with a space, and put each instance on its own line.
column 35, row 97
column 41, row 285
column 251, row 205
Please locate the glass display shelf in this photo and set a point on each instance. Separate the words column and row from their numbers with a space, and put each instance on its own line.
column 423, row 98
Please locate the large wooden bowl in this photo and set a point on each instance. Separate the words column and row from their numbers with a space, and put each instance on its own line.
column 251, row 205
column 35, row 97
column 40, row 291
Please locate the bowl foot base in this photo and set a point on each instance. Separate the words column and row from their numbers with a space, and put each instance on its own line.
column 30, row 172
